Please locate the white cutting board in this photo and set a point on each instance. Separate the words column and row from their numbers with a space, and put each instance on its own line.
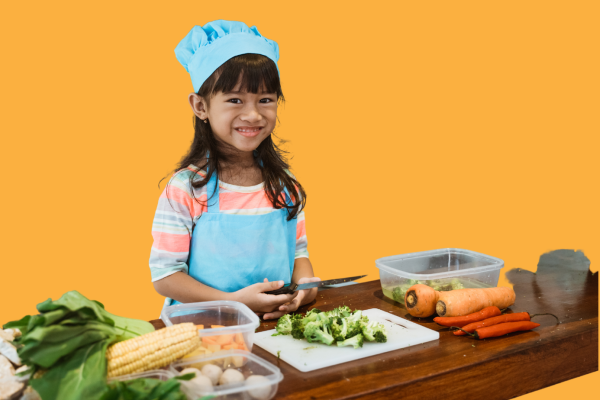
column 306, row 356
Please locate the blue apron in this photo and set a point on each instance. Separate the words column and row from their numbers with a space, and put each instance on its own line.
column 231, row 251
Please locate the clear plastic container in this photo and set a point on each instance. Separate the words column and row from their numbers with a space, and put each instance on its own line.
column 238, row 324
column 243, row 361
column 161, row 374
column 443, row 269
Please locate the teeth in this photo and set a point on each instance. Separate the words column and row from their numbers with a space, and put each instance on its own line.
column 249, row 130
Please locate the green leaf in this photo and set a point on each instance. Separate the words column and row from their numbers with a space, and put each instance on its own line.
column 80, row 376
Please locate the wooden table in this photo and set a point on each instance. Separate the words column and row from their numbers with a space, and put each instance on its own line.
column 460, row 367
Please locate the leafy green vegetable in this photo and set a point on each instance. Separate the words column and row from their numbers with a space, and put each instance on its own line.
column 145, row 389
column 68, row 340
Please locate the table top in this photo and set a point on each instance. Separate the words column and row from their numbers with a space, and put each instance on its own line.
column 458, row 367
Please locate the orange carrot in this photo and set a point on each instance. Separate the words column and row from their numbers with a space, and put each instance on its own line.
column 487, row 312
column 420, row 300
column 514, row 317
column 200, row 326
column 461, row 302
column 502, row 329
column 217, row 326
column 224, row 339
column 209, row 340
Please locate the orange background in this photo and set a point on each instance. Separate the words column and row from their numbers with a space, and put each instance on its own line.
column 412, row 127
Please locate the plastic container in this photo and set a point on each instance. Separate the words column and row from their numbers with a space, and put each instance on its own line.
column 245, row 362
column 443, row 269
column 236, row 318
column 161, row 374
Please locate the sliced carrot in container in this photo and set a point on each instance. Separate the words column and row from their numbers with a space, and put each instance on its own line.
column 200, row 326
column 217, row 326
column 224, row 339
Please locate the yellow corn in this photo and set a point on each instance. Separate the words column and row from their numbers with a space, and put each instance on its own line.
column 152, row 350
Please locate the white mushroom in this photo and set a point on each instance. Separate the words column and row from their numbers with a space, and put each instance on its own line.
column 200, row 384
column 213, row 372
column 231, row 376
column 260, row 393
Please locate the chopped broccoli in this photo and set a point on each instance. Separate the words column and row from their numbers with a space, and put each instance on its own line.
column 398, row 294
column 339, row 328
column 314, row 333
column 345, row 311
column 374, row 332
column 284, row 325
column 356, row 341
column 298, row 329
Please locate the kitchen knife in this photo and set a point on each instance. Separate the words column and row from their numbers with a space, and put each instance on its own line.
column 293, row 287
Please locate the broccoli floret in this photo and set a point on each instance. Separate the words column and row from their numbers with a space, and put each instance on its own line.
column 398, row 294
column 298, row 329
column 284, row 325
column 356, row 341
column 314, row 333
column 313, row 311
column 311, row 316
column 374, row 332
column 339, row 328
column 345, row 311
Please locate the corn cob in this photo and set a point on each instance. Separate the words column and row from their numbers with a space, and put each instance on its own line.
column 152, row 350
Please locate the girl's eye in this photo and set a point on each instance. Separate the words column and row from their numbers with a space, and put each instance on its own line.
column 267, row 100
column 235, row 101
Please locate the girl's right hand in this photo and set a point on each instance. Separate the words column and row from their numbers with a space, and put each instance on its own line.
column 254, row 297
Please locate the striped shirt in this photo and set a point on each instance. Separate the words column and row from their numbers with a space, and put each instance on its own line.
column 178, row 212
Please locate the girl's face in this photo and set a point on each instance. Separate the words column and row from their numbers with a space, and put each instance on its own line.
column 238, row 118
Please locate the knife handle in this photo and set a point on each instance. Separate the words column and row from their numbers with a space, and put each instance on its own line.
column 287, row 289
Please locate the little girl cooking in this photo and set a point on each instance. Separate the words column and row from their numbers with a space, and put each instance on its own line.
column 230, row 222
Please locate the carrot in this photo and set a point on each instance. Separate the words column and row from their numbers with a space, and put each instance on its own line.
column 224, row 339
column 487, row 312
column 501, row 329
column 209, row 340
column 467, row 301
column 515, row 317
column 420, row 300
column 217, row 326
column 200, row 326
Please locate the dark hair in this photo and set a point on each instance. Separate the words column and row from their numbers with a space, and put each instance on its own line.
column 257, row 72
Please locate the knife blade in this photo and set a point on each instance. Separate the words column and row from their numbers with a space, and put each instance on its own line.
column 293, row 287
column 311, row 285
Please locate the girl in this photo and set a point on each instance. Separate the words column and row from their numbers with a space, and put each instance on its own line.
column 230, row 222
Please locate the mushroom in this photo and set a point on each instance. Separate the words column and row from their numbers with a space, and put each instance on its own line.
column 231, row 376
column 213, row 373
column 259, row 393
column 202, row 384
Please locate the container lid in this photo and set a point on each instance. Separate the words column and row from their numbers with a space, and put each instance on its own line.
column 246, row 319
column 161, row 374
column 273, row 373
column 439, row 264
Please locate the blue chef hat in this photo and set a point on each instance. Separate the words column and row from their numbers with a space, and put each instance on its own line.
column 206, row 48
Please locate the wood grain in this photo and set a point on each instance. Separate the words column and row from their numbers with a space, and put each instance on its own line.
column 461, row 367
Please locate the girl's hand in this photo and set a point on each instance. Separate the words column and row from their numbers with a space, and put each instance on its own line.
column 254, row 297
column 294, row 304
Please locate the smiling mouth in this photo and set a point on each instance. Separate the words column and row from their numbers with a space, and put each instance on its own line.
column 249, row 131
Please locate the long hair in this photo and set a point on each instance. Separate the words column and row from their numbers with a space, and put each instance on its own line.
column 257, row 72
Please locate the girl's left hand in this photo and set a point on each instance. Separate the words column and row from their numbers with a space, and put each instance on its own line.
column 294, row 304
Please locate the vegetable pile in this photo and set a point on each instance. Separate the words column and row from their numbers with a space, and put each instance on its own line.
column 490, row 322
column 340, row 325
column 64, row 349
column 439, row 285
column 224, row 373
column 423, row 301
